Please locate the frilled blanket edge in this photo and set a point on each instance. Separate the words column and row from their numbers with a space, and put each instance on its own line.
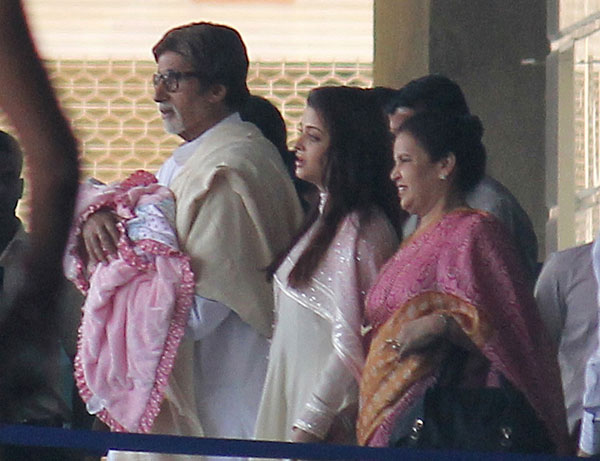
column 123, row 407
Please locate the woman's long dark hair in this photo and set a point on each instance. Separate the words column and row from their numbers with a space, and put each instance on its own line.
column 357, row 168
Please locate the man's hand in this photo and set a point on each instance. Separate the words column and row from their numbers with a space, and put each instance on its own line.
column 100, row 236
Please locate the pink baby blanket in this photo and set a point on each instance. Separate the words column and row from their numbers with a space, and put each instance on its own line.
column 137, row 305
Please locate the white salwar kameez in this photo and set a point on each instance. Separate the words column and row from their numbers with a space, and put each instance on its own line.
column 300, row 351
column 317, row 351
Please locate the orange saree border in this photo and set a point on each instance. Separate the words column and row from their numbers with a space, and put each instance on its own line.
column 386, row 380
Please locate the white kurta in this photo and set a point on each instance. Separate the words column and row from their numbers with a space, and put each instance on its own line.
column 230, row 366
column 227, row 401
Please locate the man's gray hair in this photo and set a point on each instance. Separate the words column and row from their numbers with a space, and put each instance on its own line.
column 217, row 52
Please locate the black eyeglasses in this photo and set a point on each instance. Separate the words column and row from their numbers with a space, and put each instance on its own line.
column 171, row 79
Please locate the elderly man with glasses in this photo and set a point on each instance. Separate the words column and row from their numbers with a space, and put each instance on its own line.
column 236, row 209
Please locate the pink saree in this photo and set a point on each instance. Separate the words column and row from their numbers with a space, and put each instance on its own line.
column 136, row 307
column 466, row 267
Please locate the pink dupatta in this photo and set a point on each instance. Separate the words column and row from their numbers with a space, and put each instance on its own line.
column 137, row 305
column 465, row 266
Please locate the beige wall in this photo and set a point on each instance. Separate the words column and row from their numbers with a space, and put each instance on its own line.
column 300, row 30
column 99, row 57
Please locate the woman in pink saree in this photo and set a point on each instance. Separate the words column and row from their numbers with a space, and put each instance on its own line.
column 316, row 357
column 457, row 282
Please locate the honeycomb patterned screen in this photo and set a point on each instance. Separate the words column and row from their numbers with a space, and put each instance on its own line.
column 114, row 117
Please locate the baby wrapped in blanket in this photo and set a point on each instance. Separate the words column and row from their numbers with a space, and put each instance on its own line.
column 137, row 305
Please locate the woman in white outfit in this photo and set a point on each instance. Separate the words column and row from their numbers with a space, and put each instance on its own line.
column 317, row 353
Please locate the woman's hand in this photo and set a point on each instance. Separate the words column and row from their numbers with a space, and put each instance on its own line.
column 100, row 236
column 343, row 427
column 300, row 436
column 419, row 334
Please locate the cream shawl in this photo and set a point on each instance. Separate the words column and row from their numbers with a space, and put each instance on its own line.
column 236, row 210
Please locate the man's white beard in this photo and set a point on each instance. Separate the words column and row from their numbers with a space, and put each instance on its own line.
column 173, row 125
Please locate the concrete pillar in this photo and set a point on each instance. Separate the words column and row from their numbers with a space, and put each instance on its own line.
column 560, row 145
column 401, row 41
column 497, row 55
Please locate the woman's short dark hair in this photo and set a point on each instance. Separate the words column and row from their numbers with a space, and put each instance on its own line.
column 216, row 52
column 441, row 134
column 357, row 167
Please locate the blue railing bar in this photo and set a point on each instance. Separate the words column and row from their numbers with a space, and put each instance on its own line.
column 99, row 442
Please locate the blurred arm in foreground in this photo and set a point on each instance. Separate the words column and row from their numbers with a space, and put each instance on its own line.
column 51, row 156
